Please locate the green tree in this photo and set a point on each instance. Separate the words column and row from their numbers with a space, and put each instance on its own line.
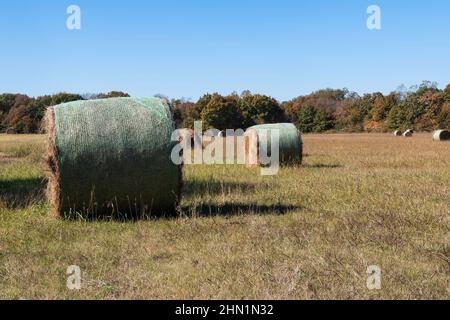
column 259, row 109
column 193, row 113
column 306, row 119
column 404, row 115
column 222, row 113
column 393, row 119
column 64, row 97
column 323, row 120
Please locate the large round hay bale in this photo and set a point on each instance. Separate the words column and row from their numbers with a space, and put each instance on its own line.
column 398, row 133
column 441, row 135
column 408, row 133
column 111, row 158
column 290, row 143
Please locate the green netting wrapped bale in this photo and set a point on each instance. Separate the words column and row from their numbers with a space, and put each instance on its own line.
column 111, row 158
column 408, row 133
column 441, row 135
column 257, row 141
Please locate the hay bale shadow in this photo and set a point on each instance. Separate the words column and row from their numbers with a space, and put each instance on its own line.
column 235, row 209
column 323, row 166
column 20, row 193
column 192, row 187
column 203, row 210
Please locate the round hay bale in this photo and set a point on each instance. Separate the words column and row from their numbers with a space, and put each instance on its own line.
column 441, row 135
column 408, row 133
column 11, row 131
column 111, row 158
column 397, row 133
column 291, row 147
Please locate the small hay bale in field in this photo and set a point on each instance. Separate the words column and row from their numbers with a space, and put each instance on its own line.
column 397, row 133
column 111, row 158
column 441, row 135
column 11, row 131
column 290, row 143
column 408, row 133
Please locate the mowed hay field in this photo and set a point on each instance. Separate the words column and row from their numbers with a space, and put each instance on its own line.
column 310, row 232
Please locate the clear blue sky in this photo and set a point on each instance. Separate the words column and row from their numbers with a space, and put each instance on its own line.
column 184, row 48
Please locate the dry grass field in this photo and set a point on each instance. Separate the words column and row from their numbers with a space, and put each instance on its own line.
column 308, row 233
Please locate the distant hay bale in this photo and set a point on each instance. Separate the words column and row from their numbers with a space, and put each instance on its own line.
column 408, row 133
column 441, row 135
column 397, row 133
column 290, row 143
column 111, row 158
column 11, row 131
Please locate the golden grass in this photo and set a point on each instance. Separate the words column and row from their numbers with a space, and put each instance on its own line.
column 308, row 233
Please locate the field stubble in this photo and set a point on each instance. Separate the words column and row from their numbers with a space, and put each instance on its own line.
column 308, row 233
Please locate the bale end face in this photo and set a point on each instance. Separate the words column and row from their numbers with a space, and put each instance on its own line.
column 300, row 161
column 441, row 135
column 11, row 131
column 51, row 163
column 251, row 148
column 408, row 133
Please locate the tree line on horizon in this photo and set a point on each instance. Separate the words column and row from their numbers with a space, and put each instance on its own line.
column 423, row 108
